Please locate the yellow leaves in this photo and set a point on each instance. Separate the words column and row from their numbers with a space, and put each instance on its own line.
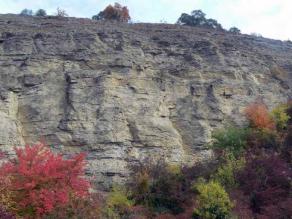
column 213, row 201
column 280, row 116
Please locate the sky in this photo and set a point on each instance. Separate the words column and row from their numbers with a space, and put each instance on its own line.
column 270, row 18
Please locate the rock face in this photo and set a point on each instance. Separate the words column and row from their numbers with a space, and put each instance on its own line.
column 125, row 92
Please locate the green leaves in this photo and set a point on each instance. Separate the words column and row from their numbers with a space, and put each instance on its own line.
column 230, row 139
column 213, row 201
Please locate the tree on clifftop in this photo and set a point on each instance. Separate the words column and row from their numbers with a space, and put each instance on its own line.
column 61, row 13
column 26, row 12
column 198, row 18
column 41, row 13
column 234, row 30
column 116, row 12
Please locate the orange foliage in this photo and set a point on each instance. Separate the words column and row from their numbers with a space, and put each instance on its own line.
column 258, row 116
column 116, row 12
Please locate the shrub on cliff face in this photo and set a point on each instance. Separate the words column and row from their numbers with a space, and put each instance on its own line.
column 226, row 172
column 159, row 186
column 116, row 12
column 258, row 116
column 40, row 180
column 117, row 203
column 212, row 201
column 230, row 139
column 281, row 116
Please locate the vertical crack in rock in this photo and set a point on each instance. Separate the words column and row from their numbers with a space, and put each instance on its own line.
column 68, row 106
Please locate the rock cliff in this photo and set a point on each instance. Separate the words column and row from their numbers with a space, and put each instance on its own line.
column 124, row 92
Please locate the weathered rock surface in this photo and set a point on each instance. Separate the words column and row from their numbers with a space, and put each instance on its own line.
column 123, row 92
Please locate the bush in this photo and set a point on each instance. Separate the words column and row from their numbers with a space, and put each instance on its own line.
column 116, row 12
column 260, row 141
column 267, row 183
column 117, row 203
column 212, row 201
column 87, row 208
column 40, row 180
column 159, row 186
column 226, row 172
column 26, row 12
column 258, row 115
column 280, row 116
column 41, row 13
column 230, row 139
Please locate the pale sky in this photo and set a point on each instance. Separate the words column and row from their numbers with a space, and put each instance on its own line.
column 270, row 18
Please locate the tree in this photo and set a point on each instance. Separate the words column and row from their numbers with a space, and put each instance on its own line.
column 61, row 13
column 26, row 12
column 198, row 14
column 40, row 180
column 198, row 18
column 213, row 24
column 234, row 30
column 116, row 12
column 41, row 13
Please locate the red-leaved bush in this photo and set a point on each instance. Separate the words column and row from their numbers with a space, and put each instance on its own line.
column 259, row 117
column 40, row 180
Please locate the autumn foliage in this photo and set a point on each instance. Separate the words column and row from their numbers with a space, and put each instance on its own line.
column 116, row 12
column 38, row 180
column 250, row 178
column 259, row 117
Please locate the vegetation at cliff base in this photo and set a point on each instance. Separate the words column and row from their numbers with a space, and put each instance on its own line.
column 249, row 178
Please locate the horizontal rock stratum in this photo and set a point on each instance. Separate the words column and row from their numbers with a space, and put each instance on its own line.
column 126, row 92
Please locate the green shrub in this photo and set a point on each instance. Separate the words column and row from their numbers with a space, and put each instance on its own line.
column 280, row 116
column 117, row 203
column 225, row 173
column 230, row 139
column 213, row 201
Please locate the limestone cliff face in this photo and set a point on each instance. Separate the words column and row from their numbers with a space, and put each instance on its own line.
column 123, row 92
